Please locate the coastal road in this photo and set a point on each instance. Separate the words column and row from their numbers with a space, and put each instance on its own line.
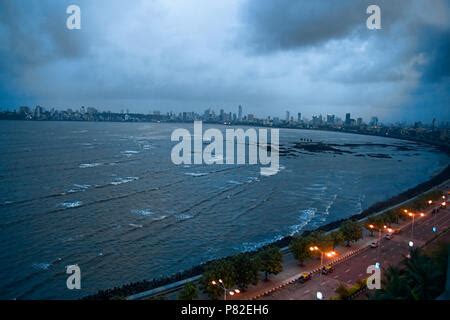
column 391, row 252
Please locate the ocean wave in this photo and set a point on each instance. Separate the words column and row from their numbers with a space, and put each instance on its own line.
column 252, row 179
column 159, row 218
column 70, row 204
column 79, row 188
column 143, row 212
column 196, row 174
column 183, row 216
column 119, row 181
column 305, row 217
column 89, row 165
column 252, row 246
column 134, row 225
column 130, row 152
column 41, row 265
column 234, row 182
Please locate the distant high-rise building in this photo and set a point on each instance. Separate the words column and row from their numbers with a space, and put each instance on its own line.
column 287, row 116
column 359, row 121
column 348, row 119
column 299, row 117
column 331, row 118
column 240, row 113
column 374, row 121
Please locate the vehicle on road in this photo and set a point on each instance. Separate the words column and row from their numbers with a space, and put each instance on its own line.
column 389, row 236
column 327, row 269
column 374, row 244
column 305, row 276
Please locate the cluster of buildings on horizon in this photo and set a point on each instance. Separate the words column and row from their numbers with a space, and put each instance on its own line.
column 417, row 130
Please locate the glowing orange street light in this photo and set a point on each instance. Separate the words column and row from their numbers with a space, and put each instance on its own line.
column 220, row 284
column 422, row 214
column 328, row 254
column 430, row 201
column 444, row 204
column 371, row 226
column 235, row 291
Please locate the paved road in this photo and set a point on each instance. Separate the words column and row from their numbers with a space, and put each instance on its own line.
column 349, row 271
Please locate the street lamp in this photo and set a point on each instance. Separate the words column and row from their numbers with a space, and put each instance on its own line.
column 379, row 242
column 371, row 226
column 220, row 284
column 330, row 254
column 413, row 216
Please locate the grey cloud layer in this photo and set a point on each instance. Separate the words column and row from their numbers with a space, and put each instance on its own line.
column 191, row 54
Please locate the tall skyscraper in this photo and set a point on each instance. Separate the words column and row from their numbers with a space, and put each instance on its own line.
column 299, row 117
column 287, row 116
column 348, row 120
column 240, row 113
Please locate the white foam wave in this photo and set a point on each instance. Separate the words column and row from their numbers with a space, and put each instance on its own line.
column 234, row 182
column 143, row 212
column 79, row 188
column 196, row 174
column 159, row 218
column 305, row 217
column 135, row 225
column 119, row 181
column 183, row 216
column 71, row 204
column 251, row 246
column 89, row 165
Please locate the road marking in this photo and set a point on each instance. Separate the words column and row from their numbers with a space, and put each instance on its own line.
column 360, row 275
column 335, row 277
column 347, row 270
column 307, row 291
column 365, row 256
column 323, row 283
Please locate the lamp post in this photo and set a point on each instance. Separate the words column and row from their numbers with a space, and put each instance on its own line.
column 328, row 254
column 221, row 285
column 379, row 242
column 413, row 216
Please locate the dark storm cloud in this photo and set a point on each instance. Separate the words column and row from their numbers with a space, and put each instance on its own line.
column 32, row 33
column 271, row 56
column 287, row 24
column 436, row 45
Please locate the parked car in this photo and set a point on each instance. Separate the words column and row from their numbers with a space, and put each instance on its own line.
column 305, row 276
column 374, row 244
column 327, row 269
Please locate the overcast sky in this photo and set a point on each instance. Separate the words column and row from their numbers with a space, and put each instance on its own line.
column 270, row 56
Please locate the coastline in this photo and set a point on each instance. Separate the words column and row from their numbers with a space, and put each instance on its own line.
column 196, row 271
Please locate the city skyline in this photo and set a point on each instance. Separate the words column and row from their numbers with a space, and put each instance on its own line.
column 183, row 55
